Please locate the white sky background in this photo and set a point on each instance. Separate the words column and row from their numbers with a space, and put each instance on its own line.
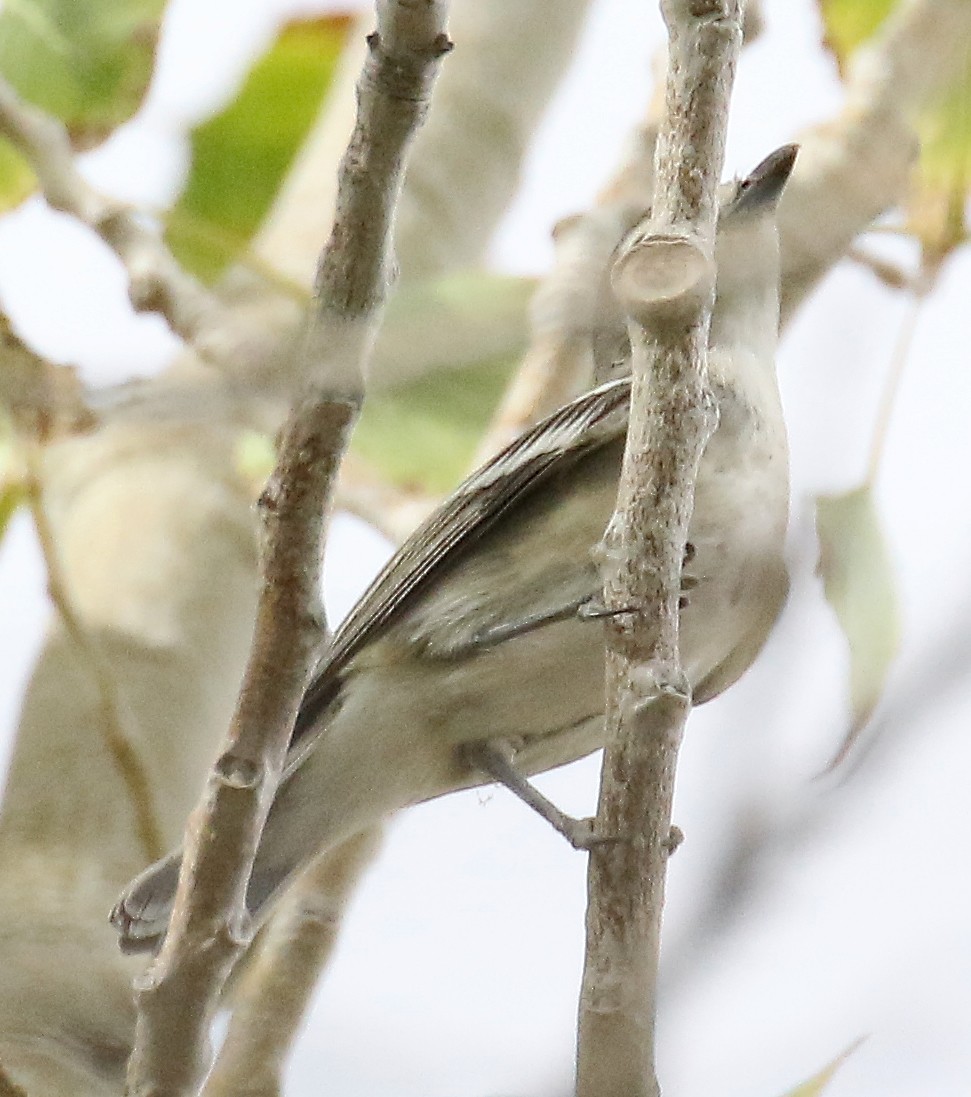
column 458, row 970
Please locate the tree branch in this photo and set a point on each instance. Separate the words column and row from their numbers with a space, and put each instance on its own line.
column 277, row 984
column 856, row 167
column 468, row 159
column 665, row 279
column 207, row 931
column 156, row 281
column 577, row 330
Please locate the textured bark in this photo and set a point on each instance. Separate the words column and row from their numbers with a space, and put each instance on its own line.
column 207, row 931
column 665, row 280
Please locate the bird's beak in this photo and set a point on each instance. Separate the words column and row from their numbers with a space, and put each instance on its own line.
column 763, row 187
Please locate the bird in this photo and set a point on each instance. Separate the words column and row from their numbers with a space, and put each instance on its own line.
column 475, row 654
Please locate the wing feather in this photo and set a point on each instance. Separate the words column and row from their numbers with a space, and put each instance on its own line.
column 586, row 423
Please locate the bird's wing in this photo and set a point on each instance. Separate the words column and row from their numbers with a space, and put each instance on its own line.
column 590, row 421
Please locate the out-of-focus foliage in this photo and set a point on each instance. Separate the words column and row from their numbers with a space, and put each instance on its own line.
column 12, row 491
column 859, row 583
column 87, row 62
column 423, row 435
column 255, row 458
column 464, row 318
column 849, row 23
column 461, row 336
column 241, row 156
column 936, row 208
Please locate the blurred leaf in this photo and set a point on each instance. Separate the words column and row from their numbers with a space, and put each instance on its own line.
column 817, row 1084
column 255, row 458
column 11, row 497
column 12, row 492
column 936, row 207
column 241, row 156
column 447, row 323
column 87, row 62
column 859, row 584
column 17, row 180
column 464, row 335
column 423, row 435
column 849, row 23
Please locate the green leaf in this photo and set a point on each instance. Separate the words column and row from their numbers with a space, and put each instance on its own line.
column 11, row 497
column 814, row 1086
column 423, row 435
column 242, row 155
column 17, row 180
column 87, row 62
column 12, row 492
column 858, row 580
column 936, row 207
column 849, row 23
column 462, row 319
column 255, row 457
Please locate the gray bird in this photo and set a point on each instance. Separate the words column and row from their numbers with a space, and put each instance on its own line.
column 475, row 655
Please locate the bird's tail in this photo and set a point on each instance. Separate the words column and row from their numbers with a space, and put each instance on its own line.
column 142, row 913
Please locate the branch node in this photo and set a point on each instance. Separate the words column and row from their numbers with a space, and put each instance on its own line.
column 674, row 839
column 660, row 277
column 236, row 771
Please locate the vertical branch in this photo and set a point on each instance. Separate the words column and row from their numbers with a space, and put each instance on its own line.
column 275, row 989
column 664, row 278
column 208, row 928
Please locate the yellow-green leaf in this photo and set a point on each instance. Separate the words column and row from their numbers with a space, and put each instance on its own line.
column 858, row 580
column 449, row 323
column 241, row 156
column 255, row 457
column 11, row 496
column 816, row 1085
column 849, row 23
column 451, row 344
column 423, row 435
column 936, row 207
column 87, row 62
column 11, row 481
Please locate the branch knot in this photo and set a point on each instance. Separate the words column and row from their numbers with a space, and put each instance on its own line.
column 660, row 277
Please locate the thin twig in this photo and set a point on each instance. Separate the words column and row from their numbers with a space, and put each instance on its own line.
column 113, row 725
column 672, row 417
column 888, row 398
column 208, row 928
column 156, row 281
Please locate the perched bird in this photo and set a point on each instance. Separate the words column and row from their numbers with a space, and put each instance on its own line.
column 475, row 655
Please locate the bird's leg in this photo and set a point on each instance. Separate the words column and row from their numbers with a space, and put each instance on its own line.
column 495, row 757
column 593, row 609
